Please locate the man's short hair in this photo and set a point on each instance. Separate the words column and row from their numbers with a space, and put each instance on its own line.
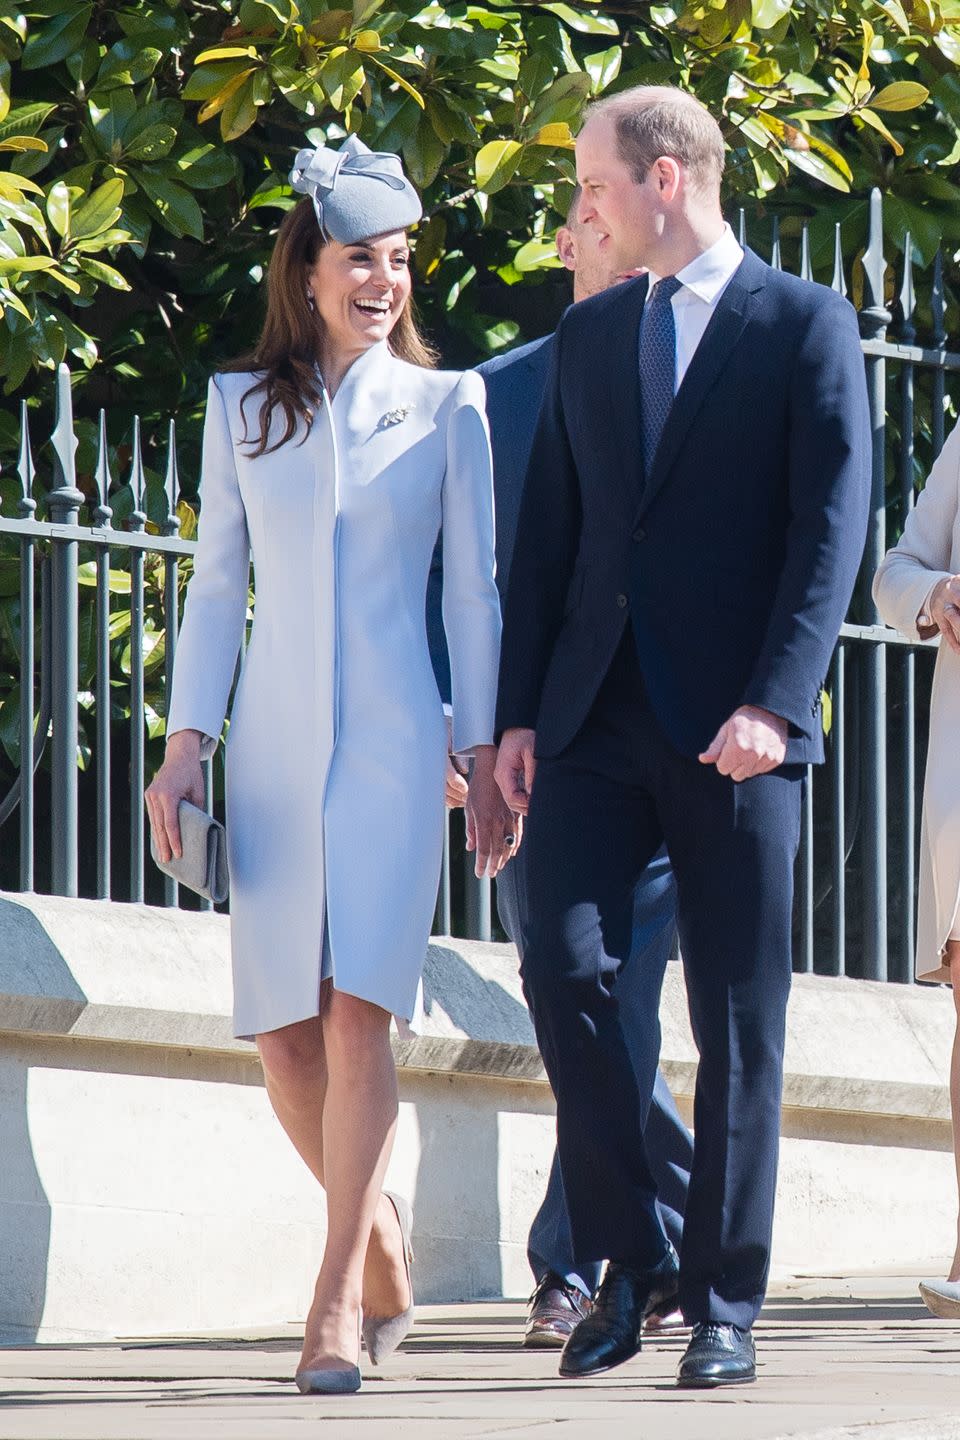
column 571, row 218
column 655, row 120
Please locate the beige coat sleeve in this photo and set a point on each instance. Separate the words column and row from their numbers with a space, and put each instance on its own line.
column 922, row 555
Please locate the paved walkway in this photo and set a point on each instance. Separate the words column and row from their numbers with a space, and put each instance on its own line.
column 853, row 1358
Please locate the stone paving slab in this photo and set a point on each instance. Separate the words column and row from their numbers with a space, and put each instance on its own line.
column 855, row 1358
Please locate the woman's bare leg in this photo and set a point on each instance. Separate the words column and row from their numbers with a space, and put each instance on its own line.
column 953, row 960
column 359, row 1123
column 295, row 1073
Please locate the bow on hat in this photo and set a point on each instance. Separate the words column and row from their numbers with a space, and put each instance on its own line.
column 317, row 173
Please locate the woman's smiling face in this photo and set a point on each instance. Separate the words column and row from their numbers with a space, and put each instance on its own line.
column 360, row 290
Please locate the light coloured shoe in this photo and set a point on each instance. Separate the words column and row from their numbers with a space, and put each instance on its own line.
column 328, row 1382
column 942, row 1298
column 382, row 1336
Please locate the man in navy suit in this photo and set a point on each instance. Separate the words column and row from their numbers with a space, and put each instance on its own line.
column 564, row 1282
column 691, row 527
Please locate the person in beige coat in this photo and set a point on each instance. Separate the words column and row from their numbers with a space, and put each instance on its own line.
column 917, row 590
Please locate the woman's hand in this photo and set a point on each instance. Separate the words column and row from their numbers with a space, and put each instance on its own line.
column 944, row 610
column 492, row 828
column 180, row 777
column 456, row 780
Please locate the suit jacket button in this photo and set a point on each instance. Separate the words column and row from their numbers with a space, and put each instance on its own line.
column 639, row 533
column 622, row 601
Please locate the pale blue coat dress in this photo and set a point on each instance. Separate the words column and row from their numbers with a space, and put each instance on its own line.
column 336, row 749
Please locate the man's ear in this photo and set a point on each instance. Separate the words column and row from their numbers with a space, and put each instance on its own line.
column 668, row 174
column 567, row 247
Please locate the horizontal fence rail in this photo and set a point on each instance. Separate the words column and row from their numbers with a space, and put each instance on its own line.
column 88, row 583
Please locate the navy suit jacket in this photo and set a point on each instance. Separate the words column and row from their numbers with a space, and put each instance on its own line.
column 514, row 383
column 735, row 559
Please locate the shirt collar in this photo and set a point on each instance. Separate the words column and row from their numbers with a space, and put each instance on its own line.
column 711, row 271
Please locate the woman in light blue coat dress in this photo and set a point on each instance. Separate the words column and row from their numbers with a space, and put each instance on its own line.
column 332, row 454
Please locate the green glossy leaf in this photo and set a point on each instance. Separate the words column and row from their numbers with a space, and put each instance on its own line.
column 603, row 67
column 207, row 167
column 537, row 255
column 496, row 164
column 819, row 167
column 768, row 13
column 100, row 212
column 106, row 274
column 59, row 37
column 25, row 120
column 60, row 201
column 208, row 80
column 240, row 111
column 129, row 62
column 174, row 204
column 902, row 95
column 588, row 22
column 869, row 117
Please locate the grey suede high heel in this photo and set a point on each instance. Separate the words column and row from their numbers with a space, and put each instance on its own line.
column 330, row 1382
column 382, row 1336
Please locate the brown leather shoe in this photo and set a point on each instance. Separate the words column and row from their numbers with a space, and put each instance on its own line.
column 556, row 1309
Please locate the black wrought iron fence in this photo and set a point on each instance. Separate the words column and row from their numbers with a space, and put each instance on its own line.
column 856, row 892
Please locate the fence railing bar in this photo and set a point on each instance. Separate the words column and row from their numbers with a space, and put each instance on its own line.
column 208, row 806
column 806, row 264
column 938, row 360
column 874, row 319
column 63, row 502
column 89, row 535
column 26, row 506
column 804, row 960
column 907, row 784
column 171, row 614
column 838, row 745
column 838, row 282
column 478, row 907
column 883, row 635
column 443, row 914
column 137, row 717
column 102, row 515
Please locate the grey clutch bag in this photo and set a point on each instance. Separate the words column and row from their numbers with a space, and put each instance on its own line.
column 203, row 864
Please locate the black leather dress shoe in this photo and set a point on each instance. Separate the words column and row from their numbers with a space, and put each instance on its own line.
column 611, row 1333
column 556, row 1309
column 718, row 1355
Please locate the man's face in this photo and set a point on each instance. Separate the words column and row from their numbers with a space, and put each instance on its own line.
column 625, row 216
column 592, row 268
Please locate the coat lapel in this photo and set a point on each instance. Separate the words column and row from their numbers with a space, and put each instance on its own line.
column 724, row 330
column 621, row 381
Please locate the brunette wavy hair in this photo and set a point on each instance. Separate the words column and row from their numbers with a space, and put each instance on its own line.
column 288, row 349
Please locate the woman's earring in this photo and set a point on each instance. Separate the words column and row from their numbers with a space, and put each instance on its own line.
column 310, row 300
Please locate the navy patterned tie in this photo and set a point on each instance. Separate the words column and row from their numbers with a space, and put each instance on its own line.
column 658, row 366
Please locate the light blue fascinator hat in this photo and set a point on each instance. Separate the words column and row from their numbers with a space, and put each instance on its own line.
column 356, row 192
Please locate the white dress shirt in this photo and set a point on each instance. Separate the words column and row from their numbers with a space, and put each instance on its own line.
column 702, row 282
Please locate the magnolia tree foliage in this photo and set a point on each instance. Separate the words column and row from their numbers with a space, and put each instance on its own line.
column 146, row 149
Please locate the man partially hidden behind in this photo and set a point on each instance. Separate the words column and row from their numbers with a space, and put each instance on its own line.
column 565, row 1281
column 691, row 526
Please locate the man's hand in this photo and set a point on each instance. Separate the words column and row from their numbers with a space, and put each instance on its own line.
column 493, row 831
column 515, row 768
column 752, row 742
column 944, row 610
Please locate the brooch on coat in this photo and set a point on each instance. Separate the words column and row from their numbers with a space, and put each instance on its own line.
column 394, row 417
